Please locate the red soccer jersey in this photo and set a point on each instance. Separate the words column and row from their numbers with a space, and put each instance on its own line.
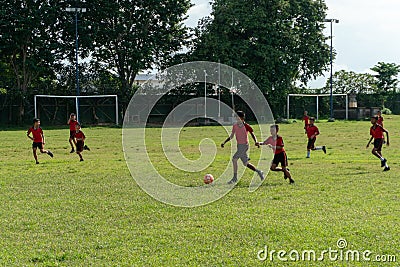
column 72, row 125
column 312, row 130
column 380, row 120
column 305, row 119
column 37, row 134
column 376, row 131
column 79, row 135
column 275, row 142
column 241, row 132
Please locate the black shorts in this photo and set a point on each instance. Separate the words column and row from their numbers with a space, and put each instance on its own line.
column 378, row 142
column 280, row 158
column 37, row 145
column 311, row 143
column 79, row 145
column 71, row 134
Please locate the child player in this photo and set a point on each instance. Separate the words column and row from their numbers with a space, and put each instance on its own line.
column 276, row 143
column 380, row 118
column 79, row 140
column 38, row 139
column 312, row 132
column 72, row 122
column 305, row 119
column 240, row 129
column 376, row 132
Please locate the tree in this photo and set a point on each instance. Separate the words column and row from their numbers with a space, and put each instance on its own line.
column 274, row 42
column 344, row 82
column 128, row 36
column 29, row 35
column 387, row 76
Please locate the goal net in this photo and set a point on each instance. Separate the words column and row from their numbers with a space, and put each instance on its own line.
column 317, row 105
column 94, row 109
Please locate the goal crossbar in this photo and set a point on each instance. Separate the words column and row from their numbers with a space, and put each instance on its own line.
column 317, row 96
column 77, row 102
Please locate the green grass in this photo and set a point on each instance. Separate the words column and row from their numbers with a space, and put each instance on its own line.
column 63, row 212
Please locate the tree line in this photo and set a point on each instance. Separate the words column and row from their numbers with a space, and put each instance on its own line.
column 277, row 43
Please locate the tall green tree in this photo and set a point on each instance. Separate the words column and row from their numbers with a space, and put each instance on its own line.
column 130, row 36
column 274, row 42
column 386, row 76
column 28, row 44
column 345, row 82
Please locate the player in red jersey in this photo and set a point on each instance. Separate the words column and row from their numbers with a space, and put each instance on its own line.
column 240, row 129
column 275, row 142
column 38, row 139
column 79, row 140
column 312, row 132
column 380, row 118
column 377, row 133
column 72, row 122
column 305, row 119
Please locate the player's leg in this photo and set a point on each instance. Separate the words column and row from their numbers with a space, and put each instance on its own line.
column 274, row 168
column 34, row 148
column 253, row 168
column 284, row 164
column 43, row 151
column 80, row 155
column 235, row 170
column 72, row 141
column 310, row 146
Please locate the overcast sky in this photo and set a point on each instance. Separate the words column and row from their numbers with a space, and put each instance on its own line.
column 368, row 32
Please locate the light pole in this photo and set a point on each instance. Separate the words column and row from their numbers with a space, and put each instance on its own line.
column 76, row 10
column 330, row 79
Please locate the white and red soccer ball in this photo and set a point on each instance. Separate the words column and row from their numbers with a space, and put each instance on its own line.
column 208, row 179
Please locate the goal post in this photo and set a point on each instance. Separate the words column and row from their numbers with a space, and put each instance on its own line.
column 76, row 98
column 317, row 96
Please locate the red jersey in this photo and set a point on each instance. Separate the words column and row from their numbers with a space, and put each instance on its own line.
column 312, row 130
column 305, row 119
column 72, row 125
column 275, row 142
column 380, row 120
column 79, row 135
column 37, row 134
column 376, row 131
column 240, row 130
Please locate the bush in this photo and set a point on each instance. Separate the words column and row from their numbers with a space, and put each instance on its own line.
column 386, row 111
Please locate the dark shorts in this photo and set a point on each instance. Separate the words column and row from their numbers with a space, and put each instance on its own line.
column 79, row 145
column 71, row 134
column 311, row 143
column 241, row 153
column 37, row 145
column 378, row 144
column 280, row 158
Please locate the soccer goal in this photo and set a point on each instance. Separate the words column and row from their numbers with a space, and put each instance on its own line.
column 100, row 108
column 317, row 102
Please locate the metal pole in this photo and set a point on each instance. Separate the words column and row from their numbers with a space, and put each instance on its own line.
column 116, row 109
column 331, row 82
column 205, row 94
column 219, row 91
column 34, row 100
column 317, row 107
column 77, row 64
column 347, row 107
column 76, row 106
column 288, row 103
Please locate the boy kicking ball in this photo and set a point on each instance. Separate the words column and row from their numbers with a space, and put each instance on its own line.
column 79, row 139
column 240, row 129
column 312, row 132
column 38, row 139
column 376, row 132
column 275, row 142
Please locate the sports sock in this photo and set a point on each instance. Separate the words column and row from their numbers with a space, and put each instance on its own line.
column 382, row 158
column 318, row 148
column 235, row 175
column 308, row 153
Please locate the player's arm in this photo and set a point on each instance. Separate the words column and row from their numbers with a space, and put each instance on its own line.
column 387, row 136
column 228, row 139
column 44, row 142
column 28, row 134
column 370, row 140
column 255, row 139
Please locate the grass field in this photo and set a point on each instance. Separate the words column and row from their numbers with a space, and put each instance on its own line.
column 63, row 212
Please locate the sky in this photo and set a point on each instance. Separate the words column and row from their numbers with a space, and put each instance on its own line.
column 368, row 32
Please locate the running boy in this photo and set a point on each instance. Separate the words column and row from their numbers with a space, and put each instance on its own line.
column 312, row 132
column 72, row 122
column 38, row 139
column 380, row 118
column 240, row 129
column 376, row 131
column 79, row 140
column 305, row 119
column 275, row 142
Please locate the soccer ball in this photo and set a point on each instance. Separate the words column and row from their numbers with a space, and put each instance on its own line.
column 208, row 179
